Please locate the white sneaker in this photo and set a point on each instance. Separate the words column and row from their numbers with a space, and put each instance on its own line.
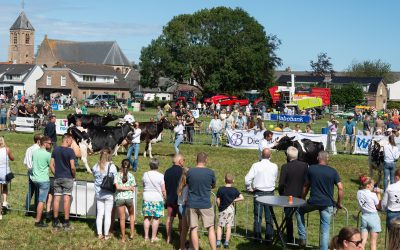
column 5, row 204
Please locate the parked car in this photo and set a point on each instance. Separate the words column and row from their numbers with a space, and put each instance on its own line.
column 226, row 100
column 98, row 100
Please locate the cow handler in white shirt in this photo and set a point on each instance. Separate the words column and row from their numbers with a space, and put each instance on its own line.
column 178, row 134
column 260, row 180
column 266, row 142
column 134, row 147
column 391, row 199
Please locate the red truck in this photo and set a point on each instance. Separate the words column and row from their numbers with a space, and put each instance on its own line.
column 226, row 100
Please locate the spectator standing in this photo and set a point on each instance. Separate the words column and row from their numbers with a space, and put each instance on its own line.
column 32, row 191
column 366, row 126
column 134, row 147
column 172, row 177
column 349, row 129
column 391, row 200
column 5, row 157
column 13, row 111
column 332, row 127
column 394, row 235
column 62, row 165
column 183, row 192
column 218, row 108
column 189, row 126
column 22, row 112
column 297, row 129
column 84, row 109
column 291, row 182
column 153, row 199
column 160, row 113
column 178, row 134
column 50, row 129
column 379, row 124
column 226, row 196
column 40, row 176
column 201, row 180
column 321, row 179
column 240, row 121
column 347, row 239
column 368, row 202
column 308, row 129
column 215, row 127
column 391, row 155
column 125, row 184
column 3, row 116
column 260, row 180
column 104, row 198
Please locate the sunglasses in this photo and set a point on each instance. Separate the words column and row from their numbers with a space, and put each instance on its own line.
column 357, row 243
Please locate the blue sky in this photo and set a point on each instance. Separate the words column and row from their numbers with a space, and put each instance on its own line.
column 348, row 30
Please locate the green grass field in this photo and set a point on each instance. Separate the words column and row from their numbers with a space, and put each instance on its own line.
column 18, row 231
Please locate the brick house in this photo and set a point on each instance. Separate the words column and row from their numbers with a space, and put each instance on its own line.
column 82, row 80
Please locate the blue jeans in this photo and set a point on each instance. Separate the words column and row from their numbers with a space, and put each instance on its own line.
column 390, row 216
column 325, row 214
column 133, row 148
column 178, row 141
column 31, row 192
column 388, row 171
column 43, row 188
column 258, row 212
column 215, row 139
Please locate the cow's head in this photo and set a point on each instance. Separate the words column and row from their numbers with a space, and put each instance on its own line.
column 166, row 123
column 111, row 117
column 284, row 143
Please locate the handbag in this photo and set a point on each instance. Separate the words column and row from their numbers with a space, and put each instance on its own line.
column 9, row 176
column 108, row 181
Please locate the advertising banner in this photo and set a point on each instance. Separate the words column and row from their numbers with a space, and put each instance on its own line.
column 195, row 113
column 362, row 142
column 61, row 126
column 250, row 139
column 287, row 118
column 25, row 124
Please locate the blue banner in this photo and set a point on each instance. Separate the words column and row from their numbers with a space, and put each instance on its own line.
column 54, row 106
column 287, row 118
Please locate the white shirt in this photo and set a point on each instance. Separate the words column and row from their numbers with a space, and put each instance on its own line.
column 129, row 118
column 390, row 153
column 367, row 201
column 262, row 176
column 136, row 135
column 264, row 144
column 152, row 182
column 215, row 125
column 179, row 129
column 28, row 156
column 391, row 198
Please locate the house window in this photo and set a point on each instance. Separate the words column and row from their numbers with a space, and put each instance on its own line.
column 89, row 78
column 381, row 91
column 92, row 93
column 123, row 95
column 164, row 98
column 27, row 38
column 63, row 81
column 84, row 94
column 48, row 82
column 15, row 39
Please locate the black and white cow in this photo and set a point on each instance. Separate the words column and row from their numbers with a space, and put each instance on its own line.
column 94, row 139
column 308, row 150
column 151, row 132
column 376, row 158
column 91, row 120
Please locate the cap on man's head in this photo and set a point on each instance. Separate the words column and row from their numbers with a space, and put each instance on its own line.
column 52, row 116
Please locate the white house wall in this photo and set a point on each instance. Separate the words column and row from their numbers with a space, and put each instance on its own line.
column 99, row 79
column 148, row 97
column 394, row 91
column 30, row 82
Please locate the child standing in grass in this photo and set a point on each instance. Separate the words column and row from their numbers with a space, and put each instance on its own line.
column 368, row 202
column 226, row 196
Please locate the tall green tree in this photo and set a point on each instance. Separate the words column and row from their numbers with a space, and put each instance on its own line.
column 223, row 49
column 371, row 68
column 322, row 66
column 349, row 95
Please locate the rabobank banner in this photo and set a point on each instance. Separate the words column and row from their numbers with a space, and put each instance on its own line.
column 249, row 139
column 287, row 118
column 362, row 142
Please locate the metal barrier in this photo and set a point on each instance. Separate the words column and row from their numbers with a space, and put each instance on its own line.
column 82, row 191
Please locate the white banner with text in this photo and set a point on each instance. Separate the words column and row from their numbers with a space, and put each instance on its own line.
column 249, row 139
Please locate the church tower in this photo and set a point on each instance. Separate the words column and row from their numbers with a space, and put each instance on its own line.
column 21, row 48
